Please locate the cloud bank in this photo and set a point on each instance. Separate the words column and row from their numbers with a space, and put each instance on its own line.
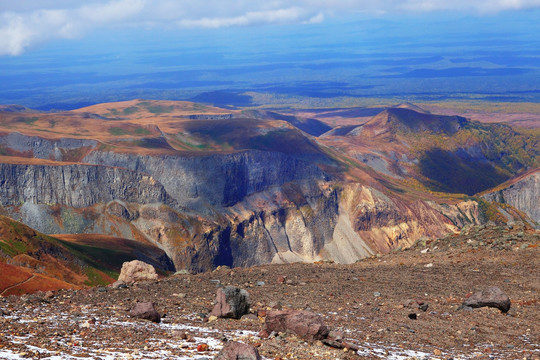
column 25, row 24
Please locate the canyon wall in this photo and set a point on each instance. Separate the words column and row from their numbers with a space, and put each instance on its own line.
column 523, row 194
column 237, row 209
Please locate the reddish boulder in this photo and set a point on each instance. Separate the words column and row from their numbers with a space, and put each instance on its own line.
column 491, row 297
column 305, row 324
column 231, row 302
column 146, row 311
column 238, row 351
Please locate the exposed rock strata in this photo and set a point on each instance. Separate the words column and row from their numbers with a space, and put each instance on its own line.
column 76, row 186
column 217, row 180
column 523, row 194
column 42, row 148
column 238, row 209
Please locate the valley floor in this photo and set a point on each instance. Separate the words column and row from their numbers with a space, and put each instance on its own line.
column 370, row 302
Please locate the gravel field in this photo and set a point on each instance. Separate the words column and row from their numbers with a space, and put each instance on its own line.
column 403, row 305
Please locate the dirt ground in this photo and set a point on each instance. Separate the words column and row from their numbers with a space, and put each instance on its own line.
column 371, row 302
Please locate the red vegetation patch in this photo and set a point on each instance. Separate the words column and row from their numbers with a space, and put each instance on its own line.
column 39, row 282
column 12, row 275
column 17, row 280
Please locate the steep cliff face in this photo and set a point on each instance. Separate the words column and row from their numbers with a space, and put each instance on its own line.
column 68, row 198
column 315, row 221
column 271, row 219
column 33, row 146
column 523, row 194
column 76, row 186
column 215, row 180
column 380, row 223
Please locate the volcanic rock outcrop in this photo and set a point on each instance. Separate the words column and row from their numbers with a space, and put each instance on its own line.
column 523, row 194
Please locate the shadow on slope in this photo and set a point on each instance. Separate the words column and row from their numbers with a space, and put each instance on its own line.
column 457, row 173
column 241, row 134
column 310, row 126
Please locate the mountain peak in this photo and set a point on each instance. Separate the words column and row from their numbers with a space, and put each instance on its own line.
column 410, row 106
column 404, row 119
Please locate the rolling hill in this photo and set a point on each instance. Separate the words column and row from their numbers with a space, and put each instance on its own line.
column 31, row 261
column 444, row 153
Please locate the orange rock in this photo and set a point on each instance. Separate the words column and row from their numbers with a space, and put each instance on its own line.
column 202, row 347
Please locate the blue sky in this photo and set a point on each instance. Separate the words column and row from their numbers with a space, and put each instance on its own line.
column 30, row 23
column 89, row 51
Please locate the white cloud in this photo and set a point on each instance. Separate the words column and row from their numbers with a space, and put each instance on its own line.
column 21, row 30
column 319, row 18
column 109, row 12
column 28, row 23
column 250, row 18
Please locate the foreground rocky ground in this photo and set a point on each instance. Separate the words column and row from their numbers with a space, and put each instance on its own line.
column 379, row 304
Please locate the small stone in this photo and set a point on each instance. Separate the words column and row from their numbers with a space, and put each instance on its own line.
column 275, row 305
column 409, row 303
column 260, row 283
column 335, row 335
column 234, row 350
column 202, row 347
column 212, row 318
column 413, row 316
column 437, row 352
column 84, row 324
column 250, row 317
column 119, row 284
column 423, row 307
column 377, row 294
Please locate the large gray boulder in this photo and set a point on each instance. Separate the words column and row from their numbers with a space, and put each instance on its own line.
column 491, row 297
column 231, row 302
